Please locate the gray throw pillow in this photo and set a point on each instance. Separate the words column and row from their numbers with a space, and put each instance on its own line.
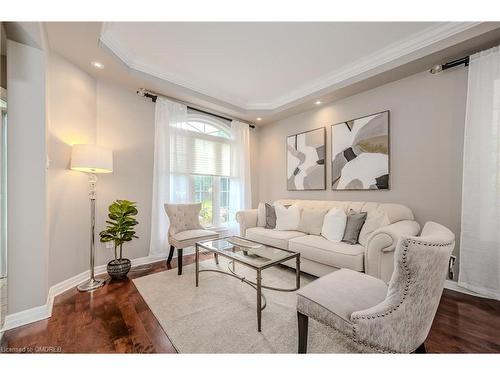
column 270, row 217
column 355, row 221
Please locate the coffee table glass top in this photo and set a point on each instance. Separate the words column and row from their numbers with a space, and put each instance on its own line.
column 251, row 253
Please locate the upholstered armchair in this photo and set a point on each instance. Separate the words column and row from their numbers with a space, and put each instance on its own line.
column 185, row 229
column 373, row 316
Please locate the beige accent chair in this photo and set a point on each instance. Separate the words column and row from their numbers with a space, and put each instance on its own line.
column 375, row 317
column 185, row 229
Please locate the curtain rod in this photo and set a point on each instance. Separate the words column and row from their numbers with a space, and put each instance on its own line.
column 153, row 96
column 463, row 60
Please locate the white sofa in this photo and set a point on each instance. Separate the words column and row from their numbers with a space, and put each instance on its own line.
column 374, row 255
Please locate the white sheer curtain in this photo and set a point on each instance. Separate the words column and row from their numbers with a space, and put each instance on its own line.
column 480, row 235
column 168, row 117
column 240, row 195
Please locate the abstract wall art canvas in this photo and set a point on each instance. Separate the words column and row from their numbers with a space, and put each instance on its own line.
column 360, row 153
column 306, row 160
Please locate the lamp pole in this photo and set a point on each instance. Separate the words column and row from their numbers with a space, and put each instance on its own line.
column 91, row 159
column 92, row 283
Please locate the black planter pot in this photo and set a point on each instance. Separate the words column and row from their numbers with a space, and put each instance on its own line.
column 118, row 268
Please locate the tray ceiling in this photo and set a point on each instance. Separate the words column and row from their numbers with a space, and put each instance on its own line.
column 263, row 66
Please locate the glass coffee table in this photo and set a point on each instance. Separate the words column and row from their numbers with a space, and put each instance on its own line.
column 251, row 254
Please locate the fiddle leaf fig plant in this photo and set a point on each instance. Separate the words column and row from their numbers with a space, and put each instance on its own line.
column 120, row 226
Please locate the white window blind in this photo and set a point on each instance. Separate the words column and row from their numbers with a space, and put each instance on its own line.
column 199, row 154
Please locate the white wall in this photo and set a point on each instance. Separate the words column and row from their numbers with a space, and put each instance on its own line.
column 72, row 119
column 83, row 110
column 426, row 128
column 27, row 193
column 125, row 124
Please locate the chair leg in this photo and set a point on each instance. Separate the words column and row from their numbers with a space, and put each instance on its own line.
column 170, row 254
column 216, row 256
column 302, row 321
column 179, row 261
column 421, row 349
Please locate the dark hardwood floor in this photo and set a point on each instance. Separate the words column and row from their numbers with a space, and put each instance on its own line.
column 115, row 319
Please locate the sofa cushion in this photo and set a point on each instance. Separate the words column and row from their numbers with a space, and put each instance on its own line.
column 355, row 221
column 270, row 217
column 272, row 237
column 395, row 212
column 335, row 254
column 334, row 225
column 374, row 220
column 187, row 238
column 261, row 215
column 311, row 220
column 287, row 218
column 332, row 298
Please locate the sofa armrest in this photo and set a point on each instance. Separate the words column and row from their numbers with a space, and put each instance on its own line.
column 246, row 219
column 379, row 251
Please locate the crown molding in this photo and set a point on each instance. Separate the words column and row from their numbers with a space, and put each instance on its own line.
column 358, row 70
column 109, row 42
column 376, row 60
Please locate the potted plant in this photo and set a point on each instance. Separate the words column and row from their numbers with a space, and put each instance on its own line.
column 120, row 229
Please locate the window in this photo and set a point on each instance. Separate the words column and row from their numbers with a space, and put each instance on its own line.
column 224, row 199
column 200, row 166
column 203, row 192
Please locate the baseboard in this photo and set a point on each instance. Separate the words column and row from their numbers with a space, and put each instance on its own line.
column 147, row 260
column 26, row 316
column 453, row 285
column 45, row 311
column 186, row 251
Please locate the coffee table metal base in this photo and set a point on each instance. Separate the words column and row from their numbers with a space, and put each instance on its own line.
column 257, row 285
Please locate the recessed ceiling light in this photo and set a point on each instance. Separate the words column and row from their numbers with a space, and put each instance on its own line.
column 97, row 64
column 259, row 119
column 318, row 102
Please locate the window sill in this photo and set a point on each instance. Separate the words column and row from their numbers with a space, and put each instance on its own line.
column 219, row 229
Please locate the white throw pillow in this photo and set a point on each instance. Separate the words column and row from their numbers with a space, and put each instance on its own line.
column 334, row 225
column 311, row 220
column 287, row 218
column 261, row 215
column 374, row 220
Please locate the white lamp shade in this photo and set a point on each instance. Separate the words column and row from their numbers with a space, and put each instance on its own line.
column 91, row 159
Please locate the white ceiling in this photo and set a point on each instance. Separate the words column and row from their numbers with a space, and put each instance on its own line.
column 253, row 65
column 268, row 70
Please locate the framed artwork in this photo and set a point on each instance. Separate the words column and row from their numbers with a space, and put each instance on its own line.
column 360, row 153
column 306, row 169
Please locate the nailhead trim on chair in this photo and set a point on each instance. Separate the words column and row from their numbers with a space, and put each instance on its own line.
column 352, row 337
column 406, row 245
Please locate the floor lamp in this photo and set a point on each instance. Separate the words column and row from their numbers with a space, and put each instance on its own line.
column 91, row 159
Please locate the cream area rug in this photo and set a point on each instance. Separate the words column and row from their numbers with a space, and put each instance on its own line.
column 219, row 316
